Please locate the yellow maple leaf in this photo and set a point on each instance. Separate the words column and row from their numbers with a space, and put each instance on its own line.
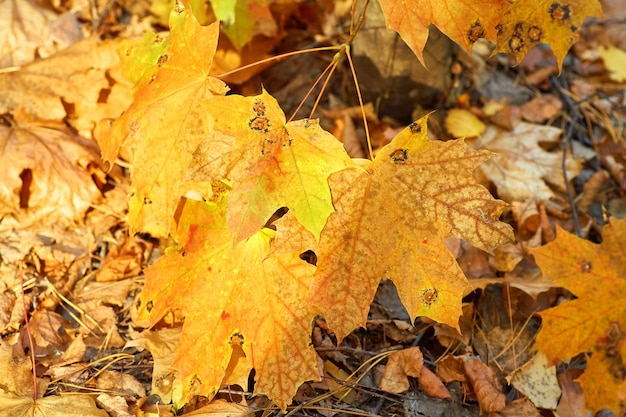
column 463, row 21
column 243, row 296
column 275, row 164
column 392, row 218
column 557, row 23
column 594, row 322
column 167, row 122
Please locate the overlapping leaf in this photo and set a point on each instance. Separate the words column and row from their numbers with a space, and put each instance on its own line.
column 275, row 164
column 392, row 218
column 243, row 296
column 167, row 122
column 463, row 21
column 594, row 322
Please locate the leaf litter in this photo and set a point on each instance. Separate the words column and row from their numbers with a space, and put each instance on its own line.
column 66, row 243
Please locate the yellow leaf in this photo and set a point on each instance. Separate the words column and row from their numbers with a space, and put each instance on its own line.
column 595, row 321
column 463, row 21
column 527, row 24
column 242, row 296
column 392, row 219
column 615, row 62
column 463, row 124
column 167, row 122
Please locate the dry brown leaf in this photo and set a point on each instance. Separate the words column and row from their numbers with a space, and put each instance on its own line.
column 522, row 168
column 47, row 175
column 15, row 372
column 486, row 386
column 122, row 261
column 30, row 31
column 572, row 401
column 401, row 365
column 120, row 382
column 432, row 385
column 220, row 408
column 79, row 405
column 541, row 109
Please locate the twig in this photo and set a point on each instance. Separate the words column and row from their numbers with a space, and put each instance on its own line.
column 570, row 106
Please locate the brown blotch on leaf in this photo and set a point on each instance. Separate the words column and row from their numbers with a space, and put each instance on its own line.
column 475, row 32
column 519, row 29
column 559, row 12
column 415, row 128
column 586, row 267
column 430, row 296
column 162, row 60
column 573, row 28
column 499, row 29
column 149, row 306
column 535, row 33
column 259, row 123
column 399, row 156
column 258, row 108
column 146, row 200
column 516, row 44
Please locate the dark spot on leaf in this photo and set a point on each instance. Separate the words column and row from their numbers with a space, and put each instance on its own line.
column 259, row 108
column 430, row 296
column 183, row 253
column 149, row 306
column 399, row 156
column 585, row 267
column 146, row 200
column 179, row 7
column 237, row 339
column 475, row 32
column 519, row 29
column 573, row 28
column 162, row 60
column 224, row 315
column 499, row 29
column 516, row 43
column 261, row 124
column 138, row 304
column 535, row 33
column 415, row 127
column 559, row 12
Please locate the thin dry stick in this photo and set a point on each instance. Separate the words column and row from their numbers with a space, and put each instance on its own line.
column 278, row 57
column 571, row 107
column 30, row 337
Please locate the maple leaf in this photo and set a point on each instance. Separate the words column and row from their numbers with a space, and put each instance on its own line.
column 521, row 167
column 557, row 23
column 275, row 164
column 392, row 218
column 594, row 322
column 46, row 174
column 250, row 298
column 166, row 122
column 463, row 21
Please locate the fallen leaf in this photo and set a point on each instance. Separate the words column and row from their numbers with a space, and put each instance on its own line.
column 485, row 384
column 401, row 365
column 537, row 380
column 47, row 175
column 275, row 164
column 572, row 400
column 220, row 408
column 168, row 111
column 464, row 22
column 80, row 84
column 592, row 322
column 463, row 124
column 252, row 298
column 76, row 405
column 614, row 59
column 392, row 218
column 521, row 168
column 527, row 24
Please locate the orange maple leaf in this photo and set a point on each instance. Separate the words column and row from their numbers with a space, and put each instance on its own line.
column 392, row 219
column 463, row 21
column 528, row 23
column 275, row 164
column 167, row 122
column 595, row 322
column 233, row 296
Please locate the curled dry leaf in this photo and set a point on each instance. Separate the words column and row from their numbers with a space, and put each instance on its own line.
column 486, row 386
